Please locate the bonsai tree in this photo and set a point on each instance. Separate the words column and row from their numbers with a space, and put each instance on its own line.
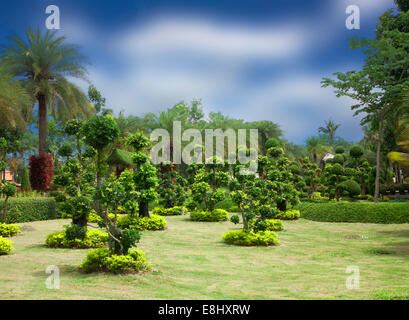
column 207, row 182
column 144, row 174
column 99, row 132
column 111, row 194
column 171, row 186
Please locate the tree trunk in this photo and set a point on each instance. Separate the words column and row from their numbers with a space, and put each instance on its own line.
column 378, row 161
column 144, row 209
column 42, row 124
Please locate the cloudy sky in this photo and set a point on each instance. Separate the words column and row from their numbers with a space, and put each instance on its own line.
column 254, row 60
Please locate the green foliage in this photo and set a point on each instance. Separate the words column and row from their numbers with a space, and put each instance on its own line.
column 130, row 237
column 100, row 131
column 175, row 211
column 9, row 230
column 250, row 238
column 274, row 225
column 30, row 209
column 288, row 215
column 339, row 150
column 23, row 177
column 154, row 222
column 75, row 232
column 100, row 260
column 209, row 216
column 364, row 212
column 8, row 189
column 5, row 246
column 351, row 187
column 235, row 219
column 93, row 239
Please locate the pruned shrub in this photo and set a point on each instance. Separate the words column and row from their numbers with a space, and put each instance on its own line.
column 30, row 209
column 363, row 212
column 5, row 246
column 175, row 211
column 154, row 222
column 288, row 215
column 251, row 238
column 41, row 171
column 209, row 216
column 100, row 260
column 92, row 239
column 268, row 225
column 9, row 230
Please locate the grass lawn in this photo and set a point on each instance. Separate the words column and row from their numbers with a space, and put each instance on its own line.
column 192, row 262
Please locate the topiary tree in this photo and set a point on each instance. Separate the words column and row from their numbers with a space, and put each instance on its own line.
column 23, row 177
column 207, row 182
column 99, row 132
column 171, row 186
column 356, row 152
column 144, row 175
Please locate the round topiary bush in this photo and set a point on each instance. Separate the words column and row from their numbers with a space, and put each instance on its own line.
column 250, row 238
column 209, row 216
column 288, row 215
column 351, row 187
column 100, row 260
column 5, row 246
column 92, row 239
column 154, row 222
column 9, row 230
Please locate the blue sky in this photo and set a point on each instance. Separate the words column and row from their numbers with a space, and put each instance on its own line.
column 254, row 60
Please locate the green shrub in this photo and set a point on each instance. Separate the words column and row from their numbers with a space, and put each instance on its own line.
column 30, row 209
column 93, row 239
column 175, row 211
column 5, row 246
column 351, row 187
column 226, row 204
column 94, row 218
column 364, row 212
column 154, row 222
column 288, row 215
column 250, row 238
column 274, row 225
column 9, row 230
column 235, row 209
column 100, row 260
column 210, row 216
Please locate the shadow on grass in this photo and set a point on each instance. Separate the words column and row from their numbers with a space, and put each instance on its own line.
column 395, row 233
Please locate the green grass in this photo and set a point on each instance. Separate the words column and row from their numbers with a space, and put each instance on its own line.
column 192, row 262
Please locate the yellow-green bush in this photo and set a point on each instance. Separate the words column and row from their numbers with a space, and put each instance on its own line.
column 288, row 215
column 93, row 239
column 271, row 224
column 9, row 230
column 209, row 216
column 250, row 238
column 154, row 222
column 94, row 218
column 5, row 246
column 175, row 211
column 100, row 260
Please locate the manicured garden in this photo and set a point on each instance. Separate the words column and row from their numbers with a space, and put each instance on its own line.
column 123, row 207
column 191, row 261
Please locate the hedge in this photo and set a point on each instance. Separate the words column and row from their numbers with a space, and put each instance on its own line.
column 364, row 212
column 30, row 209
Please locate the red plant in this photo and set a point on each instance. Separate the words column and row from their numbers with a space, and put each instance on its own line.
column 41, row 171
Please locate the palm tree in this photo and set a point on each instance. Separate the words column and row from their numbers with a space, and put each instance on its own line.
column 44, row 62
column 315, row 148
column 330, row 130
column 13, row 100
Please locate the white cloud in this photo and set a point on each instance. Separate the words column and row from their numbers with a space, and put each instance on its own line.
column 203, row 37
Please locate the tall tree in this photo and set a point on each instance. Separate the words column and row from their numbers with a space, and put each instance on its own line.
column 329, row 129
column 44, row 61
column 377, row 88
